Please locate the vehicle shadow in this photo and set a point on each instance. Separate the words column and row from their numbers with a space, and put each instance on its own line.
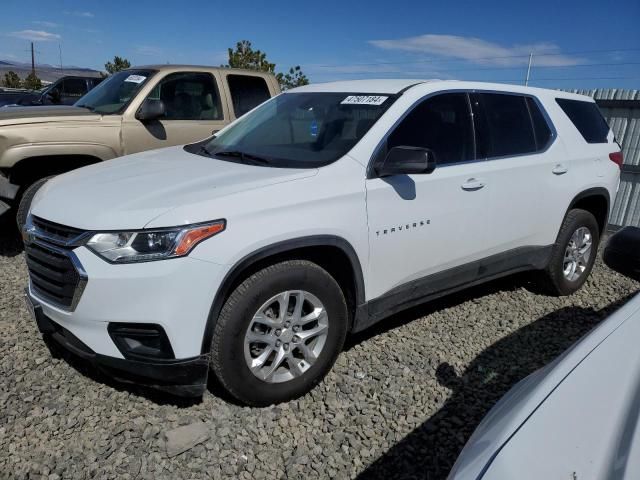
column 505, row 284
column 10, row 241
column 429, row 451
column 86, row 369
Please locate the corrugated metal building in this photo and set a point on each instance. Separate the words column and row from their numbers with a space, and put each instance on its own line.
column 621, row 108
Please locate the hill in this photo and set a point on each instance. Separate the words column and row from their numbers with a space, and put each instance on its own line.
column 47, row 73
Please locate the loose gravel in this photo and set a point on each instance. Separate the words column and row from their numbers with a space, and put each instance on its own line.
column 401, row 401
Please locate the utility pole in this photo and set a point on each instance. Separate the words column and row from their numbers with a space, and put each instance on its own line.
column 33, row 61
column 526, row 81
column 60, row 51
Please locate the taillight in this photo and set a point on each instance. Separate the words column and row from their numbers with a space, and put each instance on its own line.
column 617, row 157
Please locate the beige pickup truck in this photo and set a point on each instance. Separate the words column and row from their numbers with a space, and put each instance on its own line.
column 138, row 109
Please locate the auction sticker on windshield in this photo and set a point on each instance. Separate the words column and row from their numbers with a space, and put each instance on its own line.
column 363, row 100
column 135, row 78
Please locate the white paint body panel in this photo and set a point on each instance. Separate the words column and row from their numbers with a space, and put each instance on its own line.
column 576, row 418
column 522, row 204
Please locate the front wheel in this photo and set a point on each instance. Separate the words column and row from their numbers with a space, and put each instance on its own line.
column 574, row 253
column 279, row 333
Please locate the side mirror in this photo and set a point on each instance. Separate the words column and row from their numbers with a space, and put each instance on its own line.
column 407, row 160
column 151, row 110
column 622, row 252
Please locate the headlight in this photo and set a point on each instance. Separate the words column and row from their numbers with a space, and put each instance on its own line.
column 147, row 245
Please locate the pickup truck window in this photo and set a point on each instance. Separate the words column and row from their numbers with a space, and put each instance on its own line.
column 247, row 92
column 299, row 130
column 115, row 93
column 189, row 96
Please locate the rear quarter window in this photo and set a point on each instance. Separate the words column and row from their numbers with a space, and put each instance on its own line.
column 587, row 119
column 247, row 92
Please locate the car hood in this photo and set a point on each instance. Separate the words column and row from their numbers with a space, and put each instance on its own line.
column 43, row 114
column 129, row 192
column 578, row 414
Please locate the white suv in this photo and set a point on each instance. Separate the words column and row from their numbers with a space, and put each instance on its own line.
column 324, row 210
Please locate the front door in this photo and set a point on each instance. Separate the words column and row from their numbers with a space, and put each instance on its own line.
column 423, row 224
column 194, row 111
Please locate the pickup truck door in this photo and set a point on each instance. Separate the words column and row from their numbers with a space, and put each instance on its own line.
column 426, row 224
column 195, row 109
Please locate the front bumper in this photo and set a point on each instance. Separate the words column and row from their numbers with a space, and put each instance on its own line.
column 185, row 377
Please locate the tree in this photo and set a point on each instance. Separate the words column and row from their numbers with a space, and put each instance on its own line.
column 117, row 65
column 11, row 80
column 32, row 82
column 244, row 56
column 295, row 78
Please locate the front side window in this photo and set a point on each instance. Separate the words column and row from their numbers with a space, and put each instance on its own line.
column 114, row 94
column 189, row 96
column 587, row 119
column 443, row 124
column 298, row 130
column 247, row 92
column 503, row 125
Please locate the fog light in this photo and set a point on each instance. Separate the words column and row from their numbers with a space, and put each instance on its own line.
column 141, row 341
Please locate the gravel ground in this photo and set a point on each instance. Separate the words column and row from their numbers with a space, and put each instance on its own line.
column 400, row 403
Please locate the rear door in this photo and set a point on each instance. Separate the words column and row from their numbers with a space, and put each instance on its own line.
column 517, row 140
column 194, row 110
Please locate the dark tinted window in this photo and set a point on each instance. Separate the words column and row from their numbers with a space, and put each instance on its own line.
column 189, row 96
column 503, row 125
column 247, row 92
column 587, row 118
column 441, row 123
column 541, row 128
column 74, row 87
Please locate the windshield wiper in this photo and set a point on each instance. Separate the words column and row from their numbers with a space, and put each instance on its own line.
column 243, row 156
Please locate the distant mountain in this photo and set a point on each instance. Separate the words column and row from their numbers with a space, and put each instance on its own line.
column 47, row 73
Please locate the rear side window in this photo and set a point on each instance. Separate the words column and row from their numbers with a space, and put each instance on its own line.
column 74, row 87
column 441, row 123
column 587, row 119
column 247, row 92
column 541, row 129
column 503, row 125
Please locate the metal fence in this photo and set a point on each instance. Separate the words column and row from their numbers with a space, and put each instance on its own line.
column 621, row 108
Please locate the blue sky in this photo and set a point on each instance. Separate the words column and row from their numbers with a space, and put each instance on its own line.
column 575, row 44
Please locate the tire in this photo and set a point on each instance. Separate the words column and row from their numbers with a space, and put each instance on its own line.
column 556, row 280
column 229, row 349
column 26, row 199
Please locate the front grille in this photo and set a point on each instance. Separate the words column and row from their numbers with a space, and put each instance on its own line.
column 54, row 231
column 55, row 273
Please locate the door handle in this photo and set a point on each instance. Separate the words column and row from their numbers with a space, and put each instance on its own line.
column 472, row 185
column 560, row 169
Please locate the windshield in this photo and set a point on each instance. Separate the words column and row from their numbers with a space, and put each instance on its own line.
column 115, row 93
column 299, row 130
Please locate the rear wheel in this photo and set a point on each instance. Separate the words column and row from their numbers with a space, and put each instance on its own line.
column 25, row 201
column 279, row 333
column 574, row 253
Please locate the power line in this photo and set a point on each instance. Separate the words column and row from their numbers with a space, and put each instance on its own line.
column 435, row 60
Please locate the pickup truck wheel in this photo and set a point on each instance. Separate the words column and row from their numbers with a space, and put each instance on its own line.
column 25, row 200
column 279, row 333
column 574, row 253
